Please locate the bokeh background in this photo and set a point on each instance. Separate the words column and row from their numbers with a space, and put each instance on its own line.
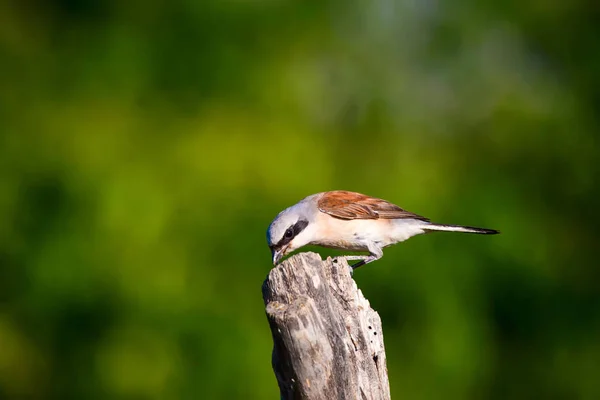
column 146, row 146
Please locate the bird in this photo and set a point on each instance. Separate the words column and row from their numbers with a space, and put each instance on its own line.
column 346, row 220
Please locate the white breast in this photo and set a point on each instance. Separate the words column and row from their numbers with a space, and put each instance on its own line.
column 356, row 234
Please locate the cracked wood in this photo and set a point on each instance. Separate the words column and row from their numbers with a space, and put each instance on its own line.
column 327, row 340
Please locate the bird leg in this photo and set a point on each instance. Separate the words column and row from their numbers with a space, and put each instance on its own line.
column 365, row 260
column 375, row 253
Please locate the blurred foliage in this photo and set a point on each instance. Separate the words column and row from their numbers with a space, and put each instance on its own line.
column 145, row 147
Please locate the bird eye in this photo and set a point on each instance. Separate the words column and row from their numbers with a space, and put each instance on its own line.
column 289, row 233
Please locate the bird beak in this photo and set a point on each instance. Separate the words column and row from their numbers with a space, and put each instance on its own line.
column 277, row 254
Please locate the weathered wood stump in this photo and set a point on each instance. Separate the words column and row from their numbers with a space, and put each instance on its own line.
column 328, row 342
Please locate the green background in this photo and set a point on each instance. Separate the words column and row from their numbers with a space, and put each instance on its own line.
column 146, row 146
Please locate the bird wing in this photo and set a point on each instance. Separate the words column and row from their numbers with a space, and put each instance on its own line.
column 350, row 205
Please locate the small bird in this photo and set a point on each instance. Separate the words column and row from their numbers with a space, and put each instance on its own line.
column 349, row 221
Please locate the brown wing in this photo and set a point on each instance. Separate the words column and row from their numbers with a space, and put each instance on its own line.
column 350, row 205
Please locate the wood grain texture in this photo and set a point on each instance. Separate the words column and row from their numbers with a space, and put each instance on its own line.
column 328, row 341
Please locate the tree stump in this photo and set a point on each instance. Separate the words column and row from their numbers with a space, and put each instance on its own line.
column 327, row 340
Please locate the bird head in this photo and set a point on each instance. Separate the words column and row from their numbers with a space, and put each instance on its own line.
column 289, row 231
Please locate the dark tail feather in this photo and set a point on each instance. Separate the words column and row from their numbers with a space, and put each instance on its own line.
column 460, row 228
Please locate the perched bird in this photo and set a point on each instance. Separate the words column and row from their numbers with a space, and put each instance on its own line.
column 349, row 221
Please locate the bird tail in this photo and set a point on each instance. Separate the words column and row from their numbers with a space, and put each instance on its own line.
column 459, row 228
